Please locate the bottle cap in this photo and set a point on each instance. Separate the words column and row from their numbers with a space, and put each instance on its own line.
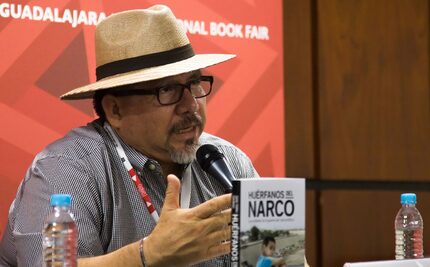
column 408, row 198
column 61, row 200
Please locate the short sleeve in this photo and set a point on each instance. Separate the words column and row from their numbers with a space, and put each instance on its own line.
column 264, row 262
column 52, row 175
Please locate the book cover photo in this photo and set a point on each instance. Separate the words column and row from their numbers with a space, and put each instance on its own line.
column 268, row 222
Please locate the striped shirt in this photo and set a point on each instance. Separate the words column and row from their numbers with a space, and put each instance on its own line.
column 108, row 209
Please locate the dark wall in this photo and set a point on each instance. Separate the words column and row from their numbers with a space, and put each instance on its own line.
column 357, row 105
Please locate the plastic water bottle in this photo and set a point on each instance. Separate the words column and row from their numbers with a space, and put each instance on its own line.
column 409, row 229
column 60, row 234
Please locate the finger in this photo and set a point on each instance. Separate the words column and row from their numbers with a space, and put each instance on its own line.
column 212, row 206
column 218, row 220
column 218, row 250
column 219, row 236
column 171, row 200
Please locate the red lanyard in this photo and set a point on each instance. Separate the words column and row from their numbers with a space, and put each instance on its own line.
column 140, row 188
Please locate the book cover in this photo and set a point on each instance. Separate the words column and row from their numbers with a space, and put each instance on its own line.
column 268, row 222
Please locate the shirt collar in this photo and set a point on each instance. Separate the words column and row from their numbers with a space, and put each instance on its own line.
column 136, row 158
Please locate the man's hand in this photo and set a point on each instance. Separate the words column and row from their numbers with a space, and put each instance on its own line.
column 187, row 236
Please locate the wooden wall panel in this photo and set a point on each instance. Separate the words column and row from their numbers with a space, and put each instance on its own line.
column 357, row 105
column 359, row 225
column 311, row 230
column 374, row 93
column 299, row 108
column 298, row 89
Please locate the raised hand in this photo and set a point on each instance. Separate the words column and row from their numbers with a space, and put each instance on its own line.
column 187, row 236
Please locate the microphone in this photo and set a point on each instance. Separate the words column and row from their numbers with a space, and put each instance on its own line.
column 213, row 162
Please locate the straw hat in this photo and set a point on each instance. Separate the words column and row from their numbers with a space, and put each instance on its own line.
column 142, row 45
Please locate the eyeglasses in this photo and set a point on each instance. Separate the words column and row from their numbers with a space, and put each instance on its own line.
column 172, row 94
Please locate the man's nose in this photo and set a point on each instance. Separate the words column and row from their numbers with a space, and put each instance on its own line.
column 188, row 102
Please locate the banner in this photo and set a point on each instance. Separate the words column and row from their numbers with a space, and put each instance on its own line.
column 47, row 49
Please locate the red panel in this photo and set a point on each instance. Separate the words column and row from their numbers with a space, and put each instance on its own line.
column 14, row 163
column 41, row 60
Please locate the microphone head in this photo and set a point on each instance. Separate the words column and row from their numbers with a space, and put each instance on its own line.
column 207, row 154
column 212, row 161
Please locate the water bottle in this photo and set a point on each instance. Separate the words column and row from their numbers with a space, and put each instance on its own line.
column 60, row 234
column 409, row 229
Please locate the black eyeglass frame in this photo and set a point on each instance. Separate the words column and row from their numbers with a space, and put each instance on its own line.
column 127, row 90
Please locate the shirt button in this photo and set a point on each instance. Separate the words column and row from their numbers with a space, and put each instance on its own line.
column 151, row 167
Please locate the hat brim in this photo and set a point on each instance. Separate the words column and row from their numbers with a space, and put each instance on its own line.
column 193, row 63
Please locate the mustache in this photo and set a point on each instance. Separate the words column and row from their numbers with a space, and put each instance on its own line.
column 188, row 120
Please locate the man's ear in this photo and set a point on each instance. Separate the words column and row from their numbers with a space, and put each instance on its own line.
column 111, row 108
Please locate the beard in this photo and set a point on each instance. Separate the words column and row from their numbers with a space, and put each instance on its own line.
column 187, row 154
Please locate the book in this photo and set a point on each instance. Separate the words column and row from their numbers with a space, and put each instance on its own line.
column 268, row 222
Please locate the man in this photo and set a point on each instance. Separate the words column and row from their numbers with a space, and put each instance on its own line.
column 122, row 170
